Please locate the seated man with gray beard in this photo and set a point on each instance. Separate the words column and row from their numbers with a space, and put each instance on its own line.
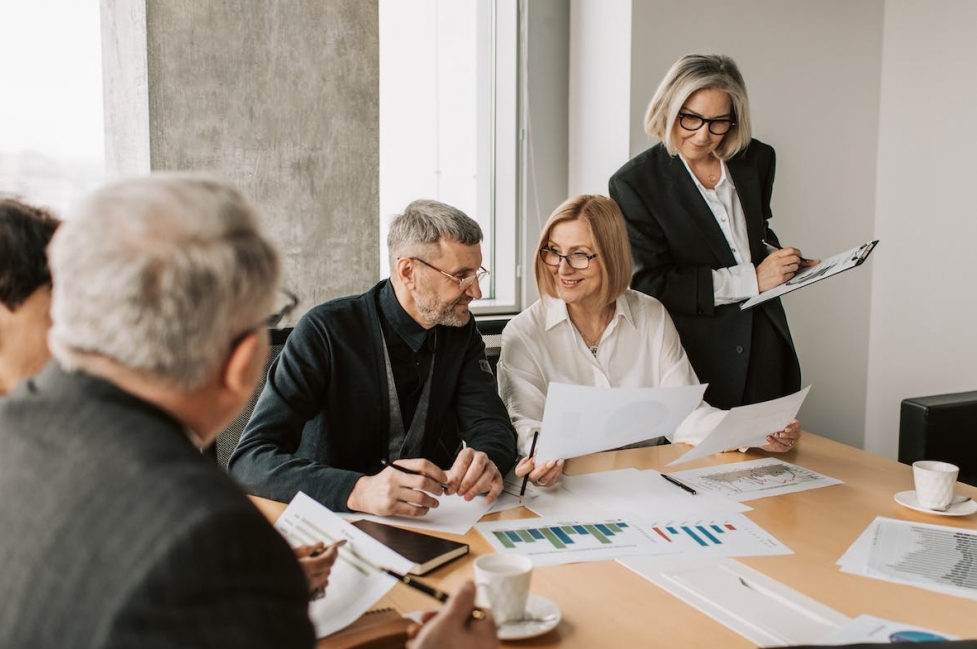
column 384, row 402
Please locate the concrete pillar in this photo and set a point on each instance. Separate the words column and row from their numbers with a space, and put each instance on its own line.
column 281, row 98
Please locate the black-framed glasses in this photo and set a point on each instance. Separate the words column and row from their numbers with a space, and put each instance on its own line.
column 575, row 260
column 464, row 283
column 275, row 320
column 692, row 122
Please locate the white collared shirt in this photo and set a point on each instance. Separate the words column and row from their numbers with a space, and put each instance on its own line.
column 735, row 283
column 639, row 348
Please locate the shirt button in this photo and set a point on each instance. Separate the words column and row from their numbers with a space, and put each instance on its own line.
column 722, row 218
column 739, row 349
column 733, row 249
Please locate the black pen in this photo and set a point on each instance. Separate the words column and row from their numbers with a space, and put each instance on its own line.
column 404, row 469
column 439, row 595
column 525, row 478
column 776, row 247
column 679, row 484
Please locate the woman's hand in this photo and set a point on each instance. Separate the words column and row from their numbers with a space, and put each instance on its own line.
column 780, row 266
column 317, row 561
column 545, row 475
column 784, row 440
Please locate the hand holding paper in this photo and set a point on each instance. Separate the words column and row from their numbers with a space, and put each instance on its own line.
column 748, row 426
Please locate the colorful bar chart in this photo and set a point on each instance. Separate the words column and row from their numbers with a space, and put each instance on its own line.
column 704, row 535
column 561, row 536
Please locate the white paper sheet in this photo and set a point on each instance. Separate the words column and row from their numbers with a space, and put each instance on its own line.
column 753, row 479
column 748, row 426
column 352, row 588
column 934, row 557
column 869, row 629
column 759, row 608
column 553, row 540
column 453, row 515
column 578, row 419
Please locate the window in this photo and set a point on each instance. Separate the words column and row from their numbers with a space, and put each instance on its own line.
column 448, row 123
column 51, row 136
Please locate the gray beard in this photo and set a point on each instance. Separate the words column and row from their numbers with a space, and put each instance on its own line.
column 442, row 314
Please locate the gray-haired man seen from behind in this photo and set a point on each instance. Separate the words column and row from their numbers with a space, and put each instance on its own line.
column 116, row 530
column 396, row 375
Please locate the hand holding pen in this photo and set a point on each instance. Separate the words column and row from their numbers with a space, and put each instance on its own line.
column 405, row 488
column 542, row 476
column 780, row 266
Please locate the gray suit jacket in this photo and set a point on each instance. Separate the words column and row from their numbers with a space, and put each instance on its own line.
column 116, row 532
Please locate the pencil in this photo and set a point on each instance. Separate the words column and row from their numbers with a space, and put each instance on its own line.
column 404, row 469
column 525, row 478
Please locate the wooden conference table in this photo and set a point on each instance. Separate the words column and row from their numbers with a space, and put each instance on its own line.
column 605, row 604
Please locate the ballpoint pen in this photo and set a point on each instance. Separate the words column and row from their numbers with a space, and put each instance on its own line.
column 404, row 469
column 525, row 478
column 679, row 484
column 776, row 247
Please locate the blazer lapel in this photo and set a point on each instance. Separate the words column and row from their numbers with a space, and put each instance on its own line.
column 685, row 194
column 747, row 185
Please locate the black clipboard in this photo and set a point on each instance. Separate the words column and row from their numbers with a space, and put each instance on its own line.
column 827, row 268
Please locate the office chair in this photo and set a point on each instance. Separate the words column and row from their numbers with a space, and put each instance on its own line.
column 491, row 331
column 228, row 438
column 941, row 427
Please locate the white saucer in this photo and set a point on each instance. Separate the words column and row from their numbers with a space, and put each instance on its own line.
column 908, row 499
column 547, row 616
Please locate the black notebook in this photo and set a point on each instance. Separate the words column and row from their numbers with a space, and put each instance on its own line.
column 425, row 551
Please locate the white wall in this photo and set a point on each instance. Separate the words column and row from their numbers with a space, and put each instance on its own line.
column 923, row 338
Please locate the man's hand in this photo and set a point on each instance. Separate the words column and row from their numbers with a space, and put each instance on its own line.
column 454, row 627
column 474, row 473
column 393, row 492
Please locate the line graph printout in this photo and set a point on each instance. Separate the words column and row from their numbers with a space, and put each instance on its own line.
column 754, row 479
column 934, row 557
column 556, row 540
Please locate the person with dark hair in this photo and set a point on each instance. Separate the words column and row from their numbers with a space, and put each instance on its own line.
column 697, row 206
column 25, row 290
column 384, row 402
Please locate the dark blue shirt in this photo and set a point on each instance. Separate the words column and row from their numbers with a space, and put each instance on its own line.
column 322, row 420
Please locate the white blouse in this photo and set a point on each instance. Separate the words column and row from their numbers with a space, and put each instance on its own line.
column 639, row 348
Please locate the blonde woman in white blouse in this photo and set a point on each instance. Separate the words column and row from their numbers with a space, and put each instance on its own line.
column 588, row 328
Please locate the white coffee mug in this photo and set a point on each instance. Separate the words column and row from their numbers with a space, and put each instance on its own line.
column 503, row 585
column 934, row 483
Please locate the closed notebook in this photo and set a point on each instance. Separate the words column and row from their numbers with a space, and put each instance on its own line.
column 425, row 551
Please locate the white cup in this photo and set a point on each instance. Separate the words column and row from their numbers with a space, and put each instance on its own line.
column 934, row 483
column 503, row 585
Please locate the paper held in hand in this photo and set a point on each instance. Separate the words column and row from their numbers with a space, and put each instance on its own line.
column 748, row 426
column 578, row 419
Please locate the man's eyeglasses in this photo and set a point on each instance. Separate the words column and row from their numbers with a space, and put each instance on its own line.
column 274, row 321
column 716, row 126
column 575, row 260
column 464, row 283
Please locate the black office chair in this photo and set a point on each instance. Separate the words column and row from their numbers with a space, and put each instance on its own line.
column 491, row 331
column 228, row 438
column 941, row 427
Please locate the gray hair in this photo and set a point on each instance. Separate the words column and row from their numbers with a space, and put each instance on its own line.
column 424, row 223
column 160, row 274
column 691, row 73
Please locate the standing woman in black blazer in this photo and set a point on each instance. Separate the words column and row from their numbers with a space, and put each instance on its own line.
column 697, row 207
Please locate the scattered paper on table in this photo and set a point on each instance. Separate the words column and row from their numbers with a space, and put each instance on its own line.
column 453, row 515
column 748, row 426
column 869, row 629
column 753, row 479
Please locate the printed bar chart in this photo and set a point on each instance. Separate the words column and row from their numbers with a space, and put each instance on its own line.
column 559, row 536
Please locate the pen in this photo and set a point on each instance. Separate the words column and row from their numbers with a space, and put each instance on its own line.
column 679, row 484
column 404, row 469
column 321, row 551
column 776, row 247
column 439, row 595
column 525, row 478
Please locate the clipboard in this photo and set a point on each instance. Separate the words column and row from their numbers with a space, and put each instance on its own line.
column 827, row 268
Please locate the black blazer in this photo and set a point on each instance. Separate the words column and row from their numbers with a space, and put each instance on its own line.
column 676, row 244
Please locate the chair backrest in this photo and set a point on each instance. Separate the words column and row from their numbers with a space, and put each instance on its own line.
column 228, row 438
column 491, row 331
column 941, row 427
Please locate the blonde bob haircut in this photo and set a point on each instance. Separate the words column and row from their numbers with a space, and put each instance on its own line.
column 691, row 73
column 610, row 243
